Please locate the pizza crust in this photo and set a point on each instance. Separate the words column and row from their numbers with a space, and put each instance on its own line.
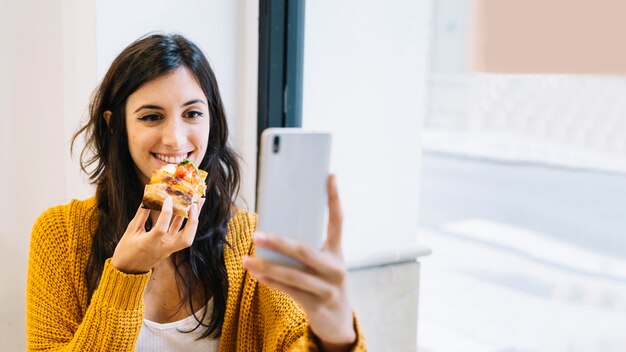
column 156, row 193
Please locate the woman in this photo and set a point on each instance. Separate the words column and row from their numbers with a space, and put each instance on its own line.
column 105, row 274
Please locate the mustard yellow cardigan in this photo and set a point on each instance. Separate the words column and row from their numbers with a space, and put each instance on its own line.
column 257, row 317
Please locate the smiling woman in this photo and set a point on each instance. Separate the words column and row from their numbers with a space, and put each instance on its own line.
column 108, row 274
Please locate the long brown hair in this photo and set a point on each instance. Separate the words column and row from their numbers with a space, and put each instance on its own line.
column 107, row 161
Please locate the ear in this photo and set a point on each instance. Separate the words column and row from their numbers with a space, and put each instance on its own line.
column 107, row 116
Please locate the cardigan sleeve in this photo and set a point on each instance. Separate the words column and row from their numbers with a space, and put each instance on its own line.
column 310, row 342
column 54, row 318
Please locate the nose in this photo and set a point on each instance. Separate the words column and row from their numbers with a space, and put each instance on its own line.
column 173, row 134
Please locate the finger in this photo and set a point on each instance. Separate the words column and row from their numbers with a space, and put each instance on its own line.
column 175, row 226
column 316, row 261
column 139, row 221
column 291, row 277
column 305, row 299
column 163, row 222
column 187, row 235
column 200, row 204
column 335, row 217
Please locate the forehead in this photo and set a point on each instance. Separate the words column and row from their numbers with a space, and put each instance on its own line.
column 177, row 86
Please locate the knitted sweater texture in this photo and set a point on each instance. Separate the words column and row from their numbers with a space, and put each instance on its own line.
column 58, row 318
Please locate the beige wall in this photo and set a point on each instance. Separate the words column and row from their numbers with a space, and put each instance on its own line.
column 555, row 36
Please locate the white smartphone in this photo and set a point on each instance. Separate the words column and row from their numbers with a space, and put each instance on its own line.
column 291, row 194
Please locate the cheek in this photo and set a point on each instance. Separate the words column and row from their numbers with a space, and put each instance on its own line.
column 202, row 138
column 138, row 142
column 132, row 141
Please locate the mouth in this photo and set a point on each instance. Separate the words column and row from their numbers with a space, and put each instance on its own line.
column 171, row 158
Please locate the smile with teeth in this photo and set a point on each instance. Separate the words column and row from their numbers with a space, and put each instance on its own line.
column 171, row 159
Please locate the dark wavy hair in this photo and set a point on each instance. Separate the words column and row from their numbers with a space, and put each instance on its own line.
column 106, row 159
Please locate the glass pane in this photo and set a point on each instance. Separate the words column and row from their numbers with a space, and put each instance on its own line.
column 522, row 198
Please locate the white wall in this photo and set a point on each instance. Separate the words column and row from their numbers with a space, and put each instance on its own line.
column 52, row 54
column 365, row 67
column 6, row 126
column 78, row 80
column 31, row 121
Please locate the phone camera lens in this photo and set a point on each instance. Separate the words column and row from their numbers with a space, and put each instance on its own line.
column 276, row 144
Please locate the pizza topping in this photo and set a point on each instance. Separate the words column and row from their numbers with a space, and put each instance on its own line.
column 170, row 168
column 184, row 182
column 189, row 174
column 190, row 165
column 186, row 171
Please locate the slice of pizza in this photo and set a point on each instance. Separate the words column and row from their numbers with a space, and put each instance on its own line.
column 183, row 182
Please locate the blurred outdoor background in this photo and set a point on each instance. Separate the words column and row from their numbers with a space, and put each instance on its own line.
column 522, row 200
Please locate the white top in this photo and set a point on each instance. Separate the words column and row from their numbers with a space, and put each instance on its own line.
column 168, row 337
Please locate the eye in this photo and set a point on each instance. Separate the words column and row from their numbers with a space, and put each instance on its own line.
column 150, row 118
column 193, row 114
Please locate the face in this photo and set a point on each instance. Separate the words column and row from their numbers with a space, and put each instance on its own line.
column 167, row 120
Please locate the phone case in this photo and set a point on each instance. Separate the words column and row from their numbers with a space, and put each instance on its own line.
column 292, row 194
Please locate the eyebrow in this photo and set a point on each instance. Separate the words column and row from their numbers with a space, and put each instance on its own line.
column 156, row 107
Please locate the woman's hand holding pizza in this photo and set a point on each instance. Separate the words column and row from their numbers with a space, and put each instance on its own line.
column 139, row 250
column 320, row 288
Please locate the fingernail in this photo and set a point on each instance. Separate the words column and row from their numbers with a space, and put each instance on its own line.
column 167, row 200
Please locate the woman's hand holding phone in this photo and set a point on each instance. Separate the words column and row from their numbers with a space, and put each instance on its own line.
column 319, row 287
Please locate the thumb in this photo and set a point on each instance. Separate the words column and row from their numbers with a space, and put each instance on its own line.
column 335, row 217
